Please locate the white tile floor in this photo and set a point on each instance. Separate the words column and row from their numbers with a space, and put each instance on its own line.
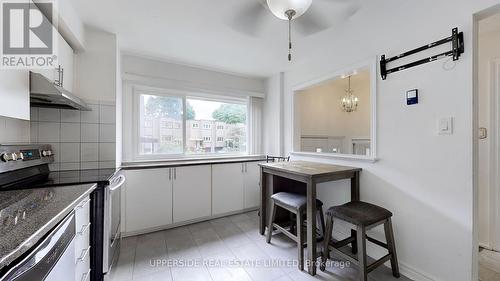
column 218, row 250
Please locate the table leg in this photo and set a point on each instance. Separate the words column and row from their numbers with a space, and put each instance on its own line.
column 311, row 228
column 263, row 202
column 354, row 197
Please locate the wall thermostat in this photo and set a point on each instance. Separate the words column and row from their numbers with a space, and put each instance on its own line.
column 412, row 97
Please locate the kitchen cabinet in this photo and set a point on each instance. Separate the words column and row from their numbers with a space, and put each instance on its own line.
column 15, row 94
column 148, row 199
column 251, row 184
column 65, row 59
column 191, row 192
column 227, row 188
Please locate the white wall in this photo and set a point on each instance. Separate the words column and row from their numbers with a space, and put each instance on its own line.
column 273, row 111
column 14, row 131
column 489, row 49
column 95, row 70
column 425, row 179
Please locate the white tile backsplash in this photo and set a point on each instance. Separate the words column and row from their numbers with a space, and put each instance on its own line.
column 107, row 114
column 107, row 151
column 89, row 132
column 89, row 152
column 79, row 139
column 49, row 132
column 90, row 116
column 70, row 152
column 107, row 133
column 70, row 132
column 72, row 116
column 49, row 114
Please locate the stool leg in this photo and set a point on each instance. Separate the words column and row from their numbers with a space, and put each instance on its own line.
column 354, row 245
column 300, row 240
column 271, row 221
column 322, row 221
column 361, row 239
column 326, row 242
column 391, row 245
column 292, row 223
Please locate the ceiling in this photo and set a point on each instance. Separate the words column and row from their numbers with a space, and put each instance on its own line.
column 202, row 32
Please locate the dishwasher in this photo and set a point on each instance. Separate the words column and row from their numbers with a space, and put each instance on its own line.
column 52, row 260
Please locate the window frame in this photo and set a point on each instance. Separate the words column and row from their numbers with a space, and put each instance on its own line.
column 184, row 95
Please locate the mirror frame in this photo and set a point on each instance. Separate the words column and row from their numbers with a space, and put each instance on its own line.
column 367, row 64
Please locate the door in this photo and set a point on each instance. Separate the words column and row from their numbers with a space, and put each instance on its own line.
column 227, row 188
column 191, row 192
column 252, row 184
column 493, row 152
column 148, row 199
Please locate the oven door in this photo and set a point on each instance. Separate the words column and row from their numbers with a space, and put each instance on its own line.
column 112, row 222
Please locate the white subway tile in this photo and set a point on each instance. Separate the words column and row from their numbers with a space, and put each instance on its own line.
column 70, row 152
column 107, row 164
column 70, row 132
column 107, row 114
column 49, row 132
column 54, row 167
column 71, row 116
column 90, row 132
column 91, row 116
column 90, row 152
column 56, row 150
column 49, row 114
column 69, row 166
column 107, row 152
column 89, row 165
column 34, row 114
column 33, row 132
column 107, row 133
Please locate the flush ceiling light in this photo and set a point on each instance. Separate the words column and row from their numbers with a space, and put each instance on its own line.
column 288, row 10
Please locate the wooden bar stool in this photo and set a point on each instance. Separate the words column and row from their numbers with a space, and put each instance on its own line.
column 364, row 216
column 296, row 204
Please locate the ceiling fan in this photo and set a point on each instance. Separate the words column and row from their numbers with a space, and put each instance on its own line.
column 305, row 15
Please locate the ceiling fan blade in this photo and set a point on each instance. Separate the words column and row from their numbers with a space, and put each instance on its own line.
column 249, row 19
column 311, row 22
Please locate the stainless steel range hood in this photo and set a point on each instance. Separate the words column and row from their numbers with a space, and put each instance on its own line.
column 44, row 93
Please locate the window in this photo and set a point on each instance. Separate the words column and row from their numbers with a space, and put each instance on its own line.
column 196, row 126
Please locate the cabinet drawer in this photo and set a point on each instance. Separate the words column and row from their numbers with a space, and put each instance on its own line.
column 82, row 213
column 82, row 240
column 82, row 272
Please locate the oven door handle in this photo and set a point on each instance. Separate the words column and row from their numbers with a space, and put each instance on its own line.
column 120, row 183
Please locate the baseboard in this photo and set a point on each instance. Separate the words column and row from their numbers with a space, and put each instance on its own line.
column 485, row 246
column 184, row 223
column 404, row 268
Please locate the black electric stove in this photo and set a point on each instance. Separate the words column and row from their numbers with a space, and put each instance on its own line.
column 27, row 166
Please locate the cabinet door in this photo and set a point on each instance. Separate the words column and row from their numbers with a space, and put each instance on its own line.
column 252, row 184
column 66, row 57
column 192, row 192
column 15, row 94
column 148, row 199
column 227, row 188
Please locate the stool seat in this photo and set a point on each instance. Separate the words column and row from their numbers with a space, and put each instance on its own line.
column 293, row 200
column 359, row 213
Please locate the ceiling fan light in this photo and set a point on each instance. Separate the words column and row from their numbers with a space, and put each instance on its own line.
column 279, row 7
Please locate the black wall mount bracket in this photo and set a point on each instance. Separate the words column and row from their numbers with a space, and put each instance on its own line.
column 457, row 45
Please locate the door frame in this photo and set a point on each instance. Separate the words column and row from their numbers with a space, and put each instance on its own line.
column 494, row 87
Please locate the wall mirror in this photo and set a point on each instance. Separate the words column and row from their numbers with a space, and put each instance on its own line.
column 335, row 115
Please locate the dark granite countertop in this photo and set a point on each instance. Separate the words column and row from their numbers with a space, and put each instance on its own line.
column 190, row 162
column 27, row 215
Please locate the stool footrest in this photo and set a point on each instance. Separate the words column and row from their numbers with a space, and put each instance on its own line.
column 377, row 242
column 375, row 264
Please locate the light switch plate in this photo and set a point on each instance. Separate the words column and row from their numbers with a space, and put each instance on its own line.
column 445, row 126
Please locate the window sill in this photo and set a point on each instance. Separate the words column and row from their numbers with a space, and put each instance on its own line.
column 188, row 161
column 347, row 157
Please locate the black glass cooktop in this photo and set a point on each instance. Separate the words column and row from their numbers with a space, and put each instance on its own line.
column 100, row 176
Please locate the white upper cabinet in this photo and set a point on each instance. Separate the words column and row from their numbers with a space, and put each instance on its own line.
column 192, row 192
column 148, row 199
column 15, row 94
column 252, row 184
column 227, row 188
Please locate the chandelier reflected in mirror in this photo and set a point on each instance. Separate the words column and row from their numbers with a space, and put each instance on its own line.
column 349, row 102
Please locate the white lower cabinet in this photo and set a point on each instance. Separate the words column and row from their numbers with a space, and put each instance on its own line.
column 148, row 199
column 251, row 184
column 227, row 188
column 191, row 192
column 82, row 241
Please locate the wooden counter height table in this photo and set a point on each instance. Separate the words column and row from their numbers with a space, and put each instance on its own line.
column 297, row 176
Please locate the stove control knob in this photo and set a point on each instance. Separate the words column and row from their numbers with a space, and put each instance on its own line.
column 8, row 157
column 47, row 153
